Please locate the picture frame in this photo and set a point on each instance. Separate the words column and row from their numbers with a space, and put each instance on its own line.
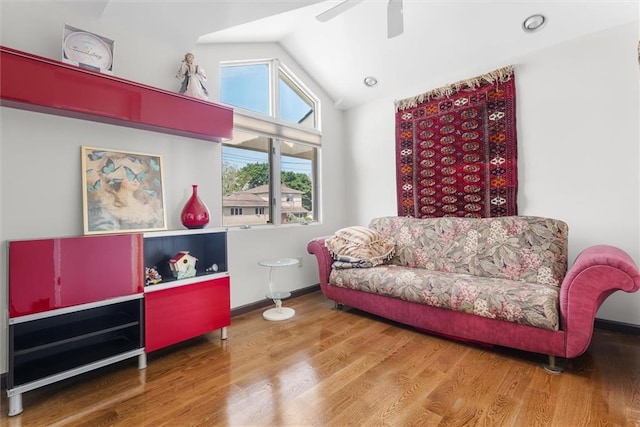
column 122, row 191
column 87, row 50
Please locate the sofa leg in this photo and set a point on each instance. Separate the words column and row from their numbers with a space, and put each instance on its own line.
column 552, row 368
column 337, row 306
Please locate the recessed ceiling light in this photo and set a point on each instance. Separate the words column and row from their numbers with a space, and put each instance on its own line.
column 370, row 81
column 533, row 23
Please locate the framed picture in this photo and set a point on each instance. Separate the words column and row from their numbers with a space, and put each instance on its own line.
column 87, row 50
column 121, row 191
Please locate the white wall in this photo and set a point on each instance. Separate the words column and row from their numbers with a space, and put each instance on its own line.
column 40, row 169
column 578, row 147
column 584, row 134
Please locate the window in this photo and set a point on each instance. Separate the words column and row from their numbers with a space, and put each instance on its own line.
column 248, row 165
column 269, row 167
column 245, row 179
column 246, row 86
column 295, row 105
column 297, row 172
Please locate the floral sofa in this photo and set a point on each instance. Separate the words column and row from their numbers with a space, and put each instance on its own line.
column 501, row 281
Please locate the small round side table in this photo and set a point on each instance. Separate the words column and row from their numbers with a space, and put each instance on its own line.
column 278, row 312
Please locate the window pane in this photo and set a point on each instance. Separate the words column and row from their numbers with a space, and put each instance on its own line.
column 295, row 106
column 246, row 86
column 245, row 180
column 297, row 164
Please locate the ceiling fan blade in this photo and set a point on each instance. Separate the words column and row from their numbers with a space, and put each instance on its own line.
column 337, row 10
column 395, row 19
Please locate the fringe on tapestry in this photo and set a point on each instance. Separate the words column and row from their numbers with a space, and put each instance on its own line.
column 500, row 75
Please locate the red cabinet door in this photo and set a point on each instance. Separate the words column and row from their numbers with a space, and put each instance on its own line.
column 177, row 314
column 48, row 274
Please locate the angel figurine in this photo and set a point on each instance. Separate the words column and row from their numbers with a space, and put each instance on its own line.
column 192, row 76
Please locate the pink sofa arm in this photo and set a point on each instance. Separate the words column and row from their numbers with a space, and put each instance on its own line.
column 597, row 272
column 317, row 248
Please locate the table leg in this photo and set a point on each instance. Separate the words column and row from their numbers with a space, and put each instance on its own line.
column 270, row 284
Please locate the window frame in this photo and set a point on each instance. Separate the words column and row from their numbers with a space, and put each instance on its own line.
column 275, row 67
column 300, row 88
column 279, row 130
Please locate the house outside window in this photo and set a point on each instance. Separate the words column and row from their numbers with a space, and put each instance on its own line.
column 269, row 167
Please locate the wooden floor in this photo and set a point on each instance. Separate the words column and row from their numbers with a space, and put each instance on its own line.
column 339, row 368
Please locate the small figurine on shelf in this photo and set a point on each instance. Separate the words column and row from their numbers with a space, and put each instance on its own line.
column 183, row 265
column 152, row 276
column 212, row 269
column 192, row 76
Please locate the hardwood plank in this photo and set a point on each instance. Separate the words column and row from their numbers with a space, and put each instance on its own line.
column 334, row 368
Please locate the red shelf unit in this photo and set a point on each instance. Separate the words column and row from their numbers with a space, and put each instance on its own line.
column 39, row 84
column 79, row 303
column 76, row 304
column 179, row 309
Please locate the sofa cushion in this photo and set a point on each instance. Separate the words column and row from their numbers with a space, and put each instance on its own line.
column 360, row 244
column 519, row 248
column 526, row 303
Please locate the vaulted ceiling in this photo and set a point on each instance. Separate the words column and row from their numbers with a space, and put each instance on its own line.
column 443, row 41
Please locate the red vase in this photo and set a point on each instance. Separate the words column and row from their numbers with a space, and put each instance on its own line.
column 195, row 214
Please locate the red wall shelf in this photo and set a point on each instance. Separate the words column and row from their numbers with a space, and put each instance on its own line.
column 39, row 84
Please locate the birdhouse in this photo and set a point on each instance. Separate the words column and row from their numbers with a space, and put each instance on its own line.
column 183, row 265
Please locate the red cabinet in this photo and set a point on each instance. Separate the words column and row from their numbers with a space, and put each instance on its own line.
column 79, row 303
column 50, row 274
column 40, row 84
column 75, row 306
column 183, row 312
column 180, row 309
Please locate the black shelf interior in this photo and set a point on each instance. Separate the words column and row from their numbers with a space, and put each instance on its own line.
column 48, row 346
column 90, row 351
column 74, row 326
column 79, row 325
column 70, row 340
column 208, row 248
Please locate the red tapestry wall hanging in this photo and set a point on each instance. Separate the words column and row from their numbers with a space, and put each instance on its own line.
column 456, row 149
